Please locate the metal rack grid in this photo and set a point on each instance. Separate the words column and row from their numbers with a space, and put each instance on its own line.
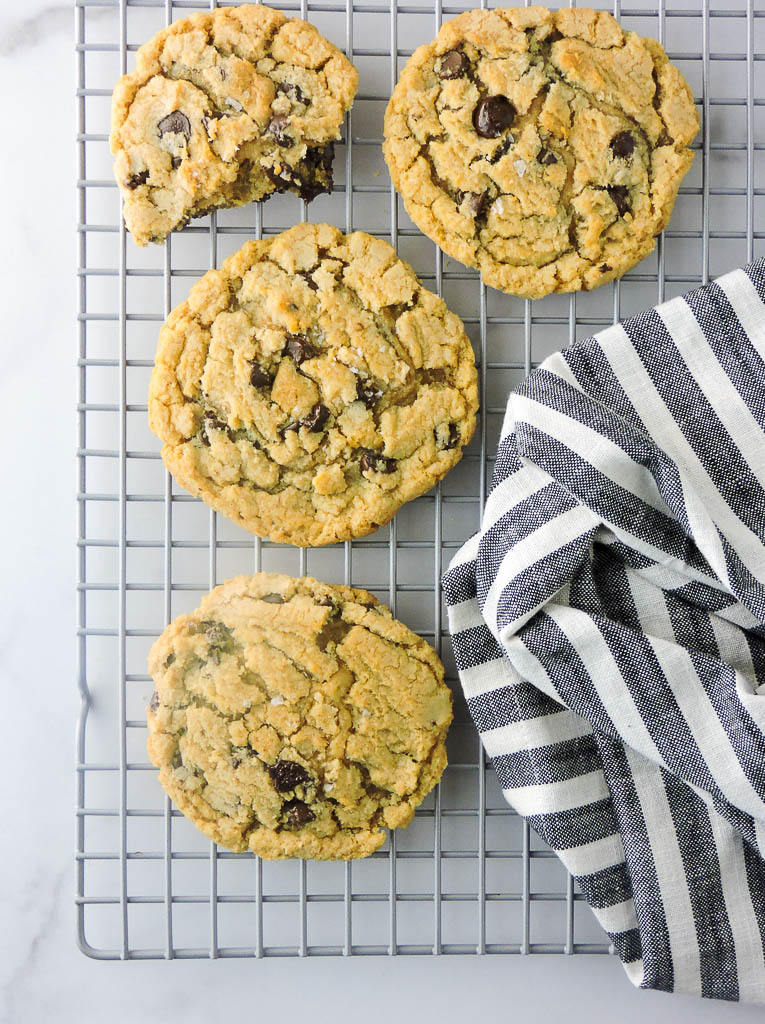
column 467, row 876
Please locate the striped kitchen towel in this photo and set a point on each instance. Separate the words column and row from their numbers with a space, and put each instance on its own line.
column 608, row 623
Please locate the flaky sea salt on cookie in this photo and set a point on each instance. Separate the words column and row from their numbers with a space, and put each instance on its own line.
column 224, row 108
column 311, row 386
column 545, row 148
column 296, row 719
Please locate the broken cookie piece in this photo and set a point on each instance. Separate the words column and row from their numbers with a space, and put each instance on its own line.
column 225, row 108
column 299, row 727
column 311, row 386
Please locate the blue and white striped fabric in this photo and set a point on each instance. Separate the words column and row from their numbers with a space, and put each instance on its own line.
column 608, row 623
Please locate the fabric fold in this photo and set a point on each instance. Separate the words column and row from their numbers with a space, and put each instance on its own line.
column 608, row 624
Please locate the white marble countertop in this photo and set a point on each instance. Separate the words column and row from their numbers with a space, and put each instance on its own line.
column 42, row 975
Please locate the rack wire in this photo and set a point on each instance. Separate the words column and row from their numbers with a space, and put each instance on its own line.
column 467, row 876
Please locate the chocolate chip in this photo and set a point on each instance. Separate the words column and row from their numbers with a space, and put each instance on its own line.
column 176, row 760
column 623, row 145
column 299, row 348
column 154, row 702
column 272, row 599
column 260, row 378
column 176, row 122
column 546, row 157
column 476, row 202
column 621, row 197
column 371, row 462
column 285, row 775
column 137, row 179
column 169, row 660
column 454, row 435
column 292, row 90
column 367, row 393
column 175, row 162
column 454, row 64
column 604, row 268
column 316, row 418
column 277, row 127
column 211, row 422
column 298, row 813
column 493, row 116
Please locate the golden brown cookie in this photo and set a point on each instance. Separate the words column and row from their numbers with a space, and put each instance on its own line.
column 296, row 719
column 311, row 386
column 543, row 147
column 225, row 108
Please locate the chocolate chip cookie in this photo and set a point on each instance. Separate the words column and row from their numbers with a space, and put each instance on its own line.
column 543, row 147
column 311, row 386
column 225, row 108
column 296, row 719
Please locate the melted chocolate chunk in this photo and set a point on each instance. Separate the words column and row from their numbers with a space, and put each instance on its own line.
column 371, row 462
column 177, row 759
column 605, row 267
column 137, row 179
column 316, row 418
column 298, row 813
column 285, row 775
column 176, row 162
column 309, row 280
column 260, row 378
column 454, row 64
column 621, row 197
column 316, row 172
column 277, row 127
column 176, row 122
column 298, row 348
column 279, row 181
column 454, row 436
column 367, row 392
column 623, row 145
column 437, row 376
column 476, row 202
column 169, row 660
column 546, row 157
column 493, row 116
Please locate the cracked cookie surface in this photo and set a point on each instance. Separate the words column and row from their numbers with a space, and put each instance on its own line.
column 294, row 718
column 311, row 386
column 225, row 108
column 544, row 148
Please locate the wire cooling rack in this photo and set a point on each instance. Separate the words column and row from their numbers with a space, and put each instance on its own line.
column 467, row 876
